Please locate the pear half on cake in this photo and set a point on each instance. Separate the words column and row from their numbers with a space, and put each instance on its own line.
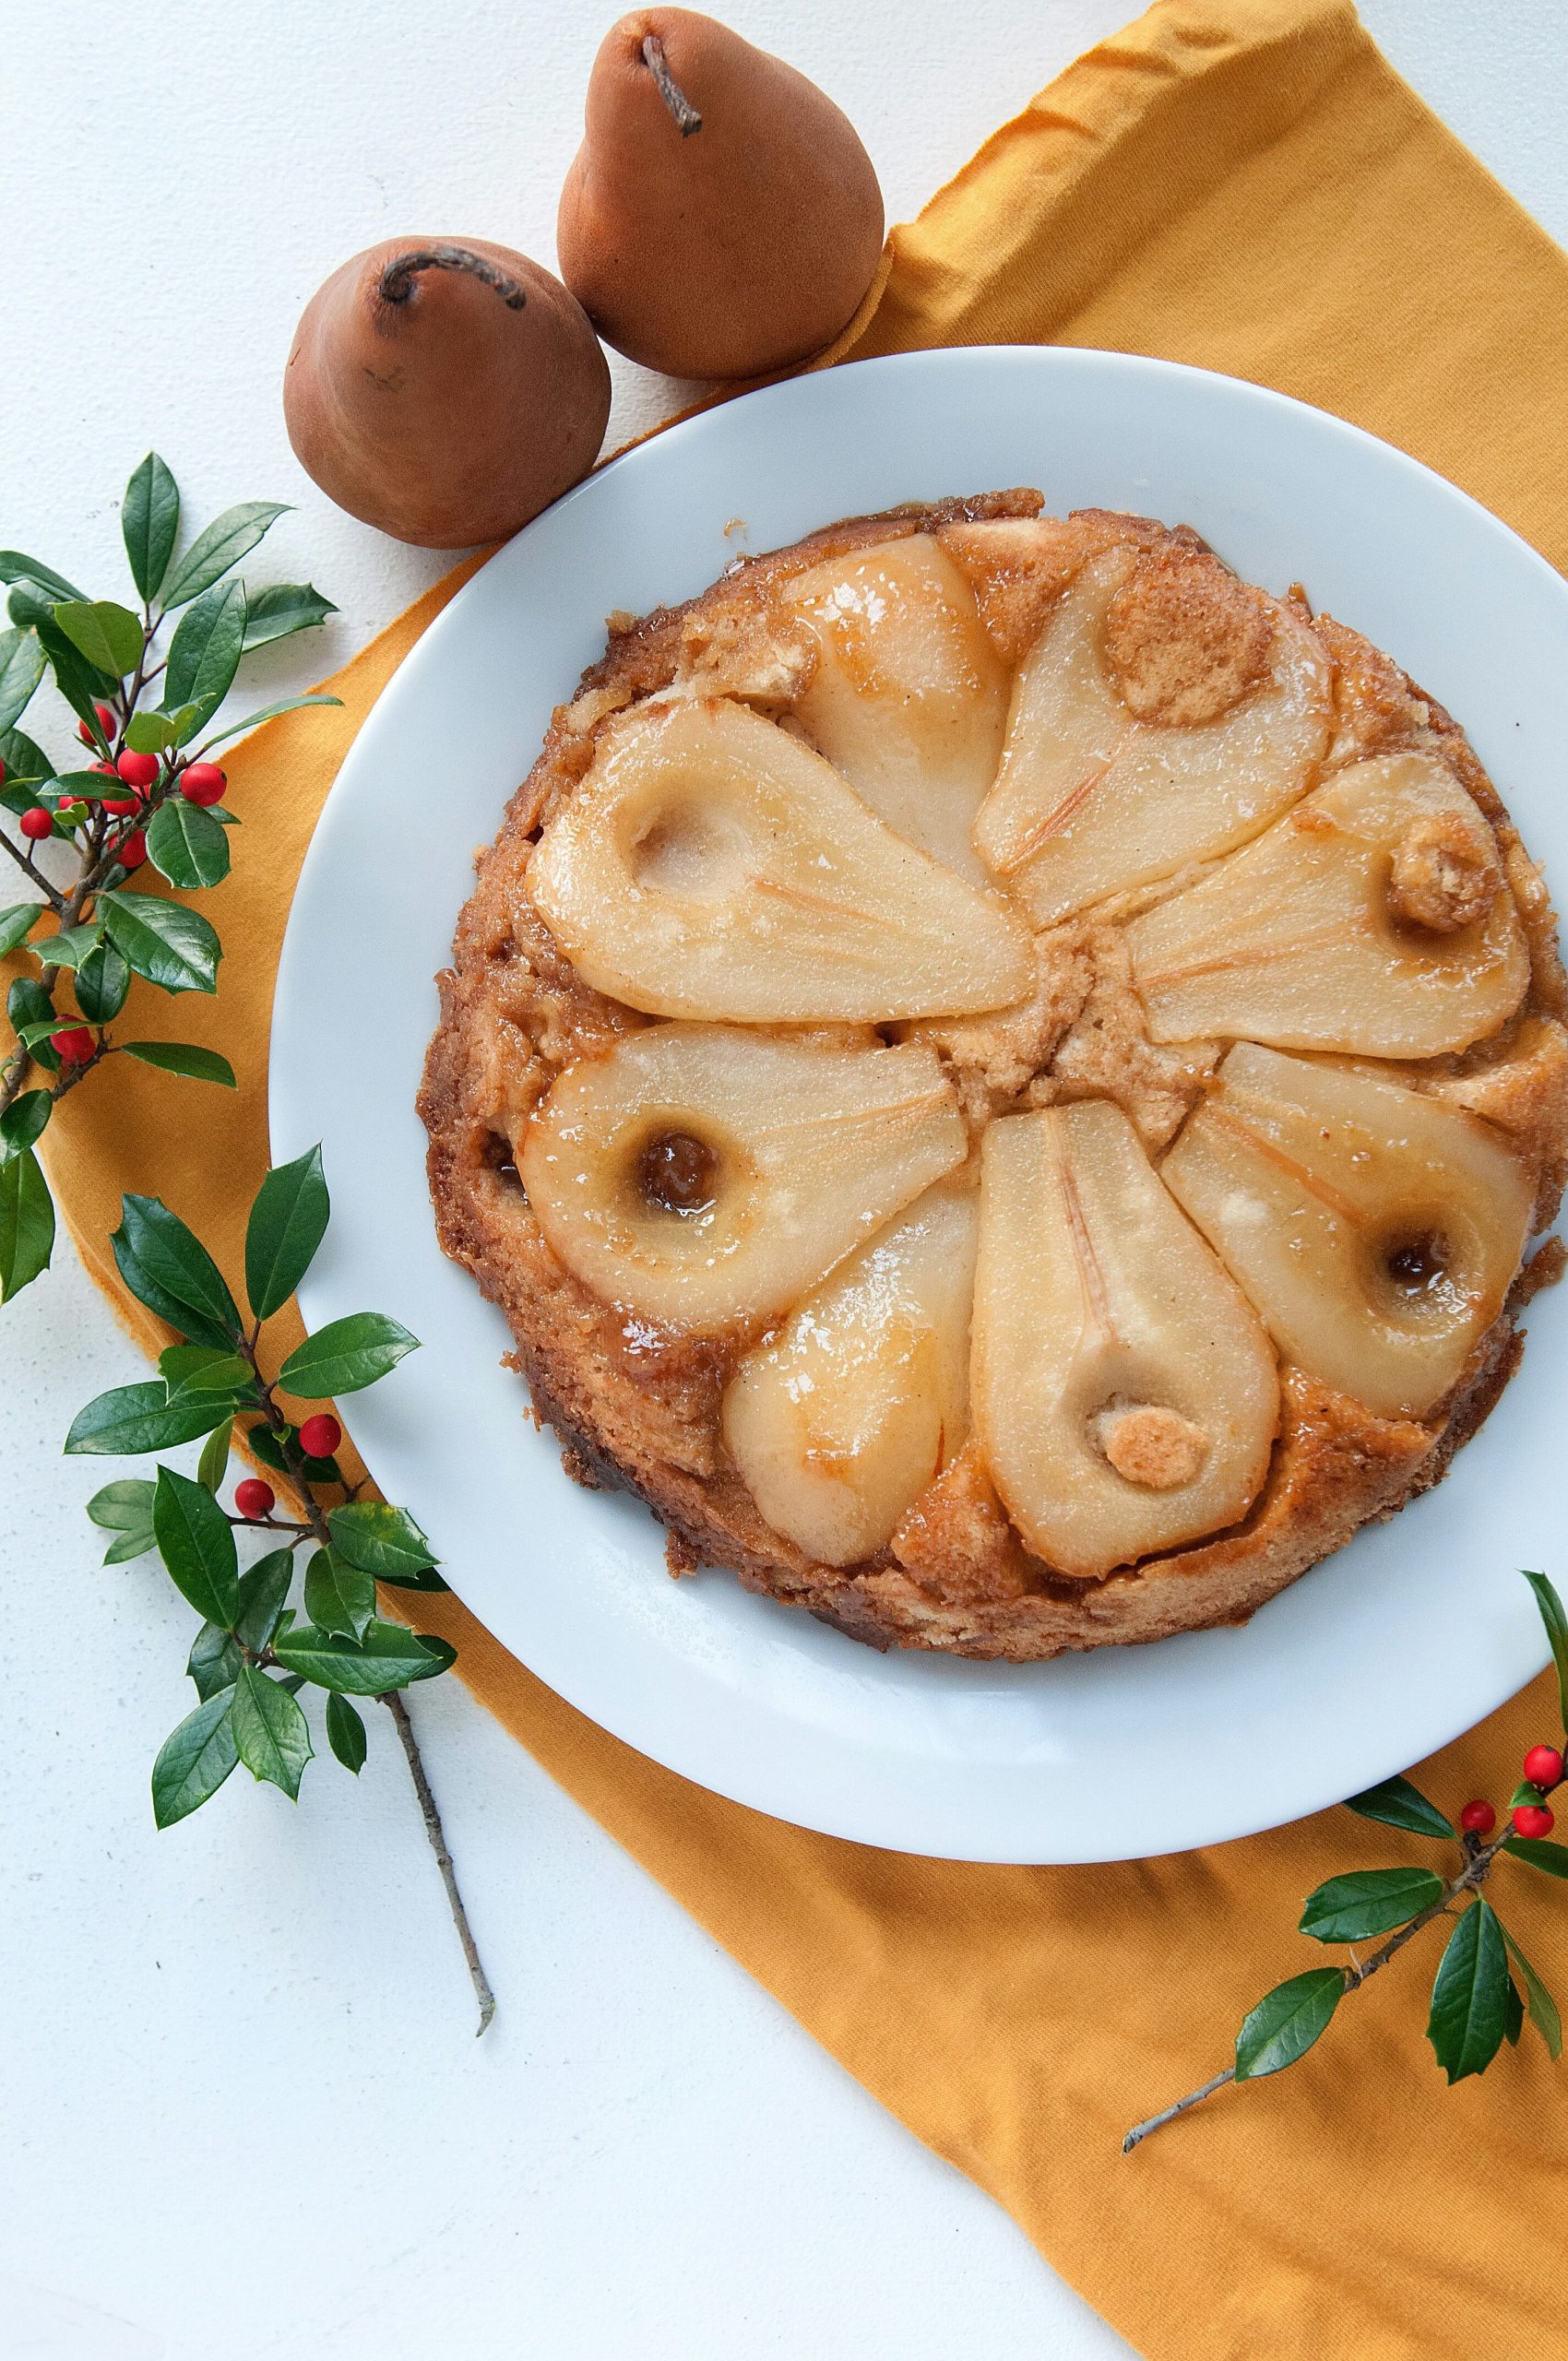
column 847, row 1416
column 1125, row 1393
column 1371, row 919
column 1118, row 769
column 711, row 865
column 705, row 1178
column 1376, row 1228
column 908, row 699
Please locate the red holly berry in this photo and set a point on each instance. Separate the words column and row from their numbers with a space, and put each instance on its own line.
column 320, row 1435
column 75, row 1044
column 37, row 824
column 1, row 774
column 1543, row 1766
column 105, row 722
column 202, row 783
column 133, row 851
column 1533, row 1819
column 123, row 811
column 252, row 1498
column 136, row 770
column 1478, row 1816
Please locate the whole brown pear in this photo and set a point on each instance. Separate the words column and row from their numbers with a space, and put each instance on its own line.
column 722, row 218
column 445, row 389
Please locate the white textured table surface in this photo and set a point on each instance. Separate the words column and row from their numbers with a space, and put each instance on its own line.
column 243, row 2109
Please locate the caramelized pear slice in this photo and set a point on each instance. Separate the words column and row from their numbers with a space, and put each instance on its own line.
column 710, row 865
column 1373, row 920
column 1091, row 800
column 1124, row 1394
column 702, row 1177
column 1377, row 1230
column 909, row 698
column 862, row 1398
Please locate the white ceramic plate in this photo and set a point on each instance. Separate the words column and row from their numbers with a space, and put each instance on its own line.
column 1375, row 1658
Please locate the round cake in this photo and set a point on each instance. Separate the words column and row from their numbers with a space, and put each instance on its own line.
column 1003, row 1080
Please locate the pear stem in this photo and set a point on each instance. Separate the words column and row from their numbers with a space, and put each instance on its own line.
column 397, row 283
column 686, row 118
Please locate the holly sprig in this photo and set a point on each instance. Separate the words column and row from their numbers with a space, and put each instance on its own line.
column 254, row 1656
column 1477, row 2000
column 151, row 793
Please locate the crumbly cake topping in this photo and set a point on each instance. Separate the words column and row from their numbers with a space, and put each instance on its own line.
column 1002, row 1077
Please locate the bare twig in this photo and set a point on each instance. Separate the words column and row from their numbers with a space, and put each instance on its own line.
column 394, row 1703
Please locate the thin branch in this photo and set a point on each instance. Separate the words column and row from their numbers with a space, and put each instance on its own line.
column 52, row 895
column 1471, row 1878
column 395, row 1705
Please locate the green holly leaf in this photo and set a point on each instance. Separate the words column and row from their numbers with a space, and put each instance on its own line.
column 23, row 1121
column 187, row 845
column 1556, row 1621
column 159, row 1247
column 196, row 1543
column 1470, row 2005
column 384, row 1541
column 1542, row 2007
column 267, row 713
column 213, row 1465
column 204, row 654
column 1514, row 2019
column 83, row 684
column 287, row 1224
column 214, row 1661
column 1286, row 2022
column 195, row 1760
column 224, row 1374
column 270, row 1731
column 27, row 1223
column 15, row 567
column 264, row 1588
column 21, row 669
column 103, row 980
column 1368, row 1901
column 150, row 519
column 70, row 946
column 385, row 1657
column 134, row 1418
column 223, row 543
column 171, row 945
column 345, row 1734
column 281, row 609
column 182, row 1057
column 29, row 1005
column 124, row 1509
column 340, row 1598
column 18, row 923
column 1540, row 1853
column 106, row 634
column 346, row 1356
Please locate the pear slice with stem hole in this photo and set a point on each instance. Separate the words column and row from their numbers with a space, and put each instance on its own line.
column 702, row 1177
column 862, row 1398
column 1377, row 1230
column 711, row 865
column 1123, row 1390
column 1090, row 802
column 909, row 698
column 1309, row 938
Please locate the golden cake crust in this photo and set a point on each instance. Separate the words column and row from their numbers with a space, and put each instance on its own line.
column 638, row 1405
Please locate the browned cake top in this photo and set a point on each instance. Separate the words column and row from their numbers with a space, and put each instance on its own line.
column 1002, row 1077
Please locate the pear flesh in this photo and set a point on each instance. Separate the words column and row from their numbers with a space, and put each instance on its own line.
column 702, row 1177
column 1376, row 1228
column 862, row 1398
column 1373, row 920
column 908, row 699
column 1124, row 1394
column 711, row 865
column 1090, row 802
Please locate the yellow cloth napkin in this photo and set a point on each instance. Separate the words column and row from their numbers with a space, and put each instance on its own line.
column 1245, row 185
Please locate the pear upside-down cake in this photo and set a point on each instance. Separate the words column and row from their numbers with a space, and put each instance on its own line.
column 1003, row 1079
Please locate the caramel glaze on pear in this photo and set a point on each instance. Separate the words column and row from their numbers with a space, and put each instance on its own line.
column 722, row 218
column 445, row 390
